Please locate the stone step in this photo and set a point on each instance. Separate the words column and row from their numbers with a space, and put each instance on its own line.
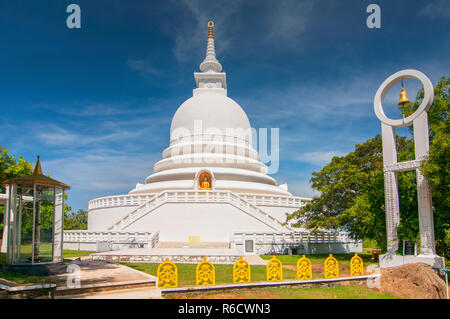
column 105, row 287
column 131, row 293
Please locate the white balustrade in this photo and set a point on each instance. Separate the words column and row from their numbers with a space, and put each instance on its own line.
column 293, row 237
column 86, row 236
column 139, row 199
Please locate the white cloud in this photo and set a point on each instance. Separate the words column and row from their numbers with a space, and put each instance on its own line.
column 54, row 135
column 143, row 66
column 191, row 35
column 288, row 20
column 302, row 189
column 436, row 9
column 283, row 25
column 91, row 171
column 94, row 109
column 96, row 174
column 319, row 157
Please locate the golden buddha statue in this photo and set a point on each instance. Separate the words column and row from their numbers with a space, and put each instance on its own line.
column 205, row 184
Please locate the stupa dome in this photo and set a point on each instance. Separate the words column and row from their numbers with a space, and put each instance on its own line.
column 216, row 112
column 209, row 182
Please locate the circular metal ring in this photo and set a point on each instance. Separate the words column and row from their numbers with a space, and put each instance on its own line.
column 389, row 83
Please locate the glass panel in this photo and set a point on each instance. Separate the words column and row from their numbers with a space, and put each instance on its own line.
column 12, row 217
column 24, row 225
column 44, row 225
column 30, row 224
column 58, row 225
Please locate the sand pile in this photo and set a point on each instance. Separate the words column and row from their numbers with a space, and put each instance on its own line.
column 413, row 281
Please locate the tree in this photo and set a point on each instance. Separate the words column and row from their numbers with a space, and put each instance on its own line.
column 352, row 186
column 11, row 167
column 352, row 193
column 75, row 221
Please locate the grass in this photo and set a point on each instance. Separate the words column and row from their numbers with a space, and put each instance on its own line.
column 76, row 253
column 22, row 278
column 320, row 258
column 338, row 292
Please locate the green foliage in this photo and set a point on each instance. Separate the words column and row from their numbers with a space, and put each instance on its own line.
column 352, row 195
column 75, row 221
column 352, row 186
column 370, row 243
column 11, row 167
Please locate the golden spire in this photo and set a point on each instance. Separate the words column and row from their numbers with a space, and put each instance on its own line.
column 210, row 32
column 38, row 168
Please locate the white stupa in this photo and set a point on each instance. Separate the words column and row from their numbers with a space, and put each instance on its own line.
column 209, row 183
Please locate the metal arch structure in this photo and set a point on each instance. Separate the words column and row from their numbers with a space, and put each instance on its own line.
column 419, row 120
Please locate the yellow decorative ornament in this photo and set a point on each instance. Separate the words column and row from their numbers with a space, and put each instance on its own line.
column 274, row 270
column 304, row 269
column 194, row 239
column 205, row 274
column 241, row 272
column 331, row 267
column 167, row 274
column 356, row 266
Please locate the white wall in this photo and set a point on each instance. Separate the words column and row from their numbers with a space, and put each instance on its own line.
column 213, row 222
column 278, row 212
column 102, row 218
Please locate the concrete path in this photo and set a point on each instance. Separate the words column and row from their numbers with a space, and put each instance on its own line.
column 255, row 260
column 100, row 272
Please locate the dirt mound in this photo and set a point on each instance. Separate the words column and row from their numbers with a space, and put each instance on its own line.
column 413, row 281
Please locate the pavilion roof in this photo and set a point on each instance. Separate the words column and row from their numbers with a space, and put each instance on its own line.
column 36, row 178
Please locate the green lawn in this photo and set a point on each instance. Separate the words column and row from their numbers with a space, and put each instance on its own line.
column 2, row 259
column 224, row 273
column 76, row 253
column 338, row 292
column 21, row 278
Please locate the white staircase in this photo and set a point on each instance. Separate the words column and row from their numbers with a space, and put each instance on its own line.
column 197, row 196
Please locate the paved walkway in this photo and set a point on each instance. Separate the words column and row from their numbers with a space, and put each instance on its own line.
column 102, row 273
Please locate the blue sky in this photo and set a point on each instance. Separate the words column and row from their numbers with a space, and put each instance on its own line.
column 96, row 103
